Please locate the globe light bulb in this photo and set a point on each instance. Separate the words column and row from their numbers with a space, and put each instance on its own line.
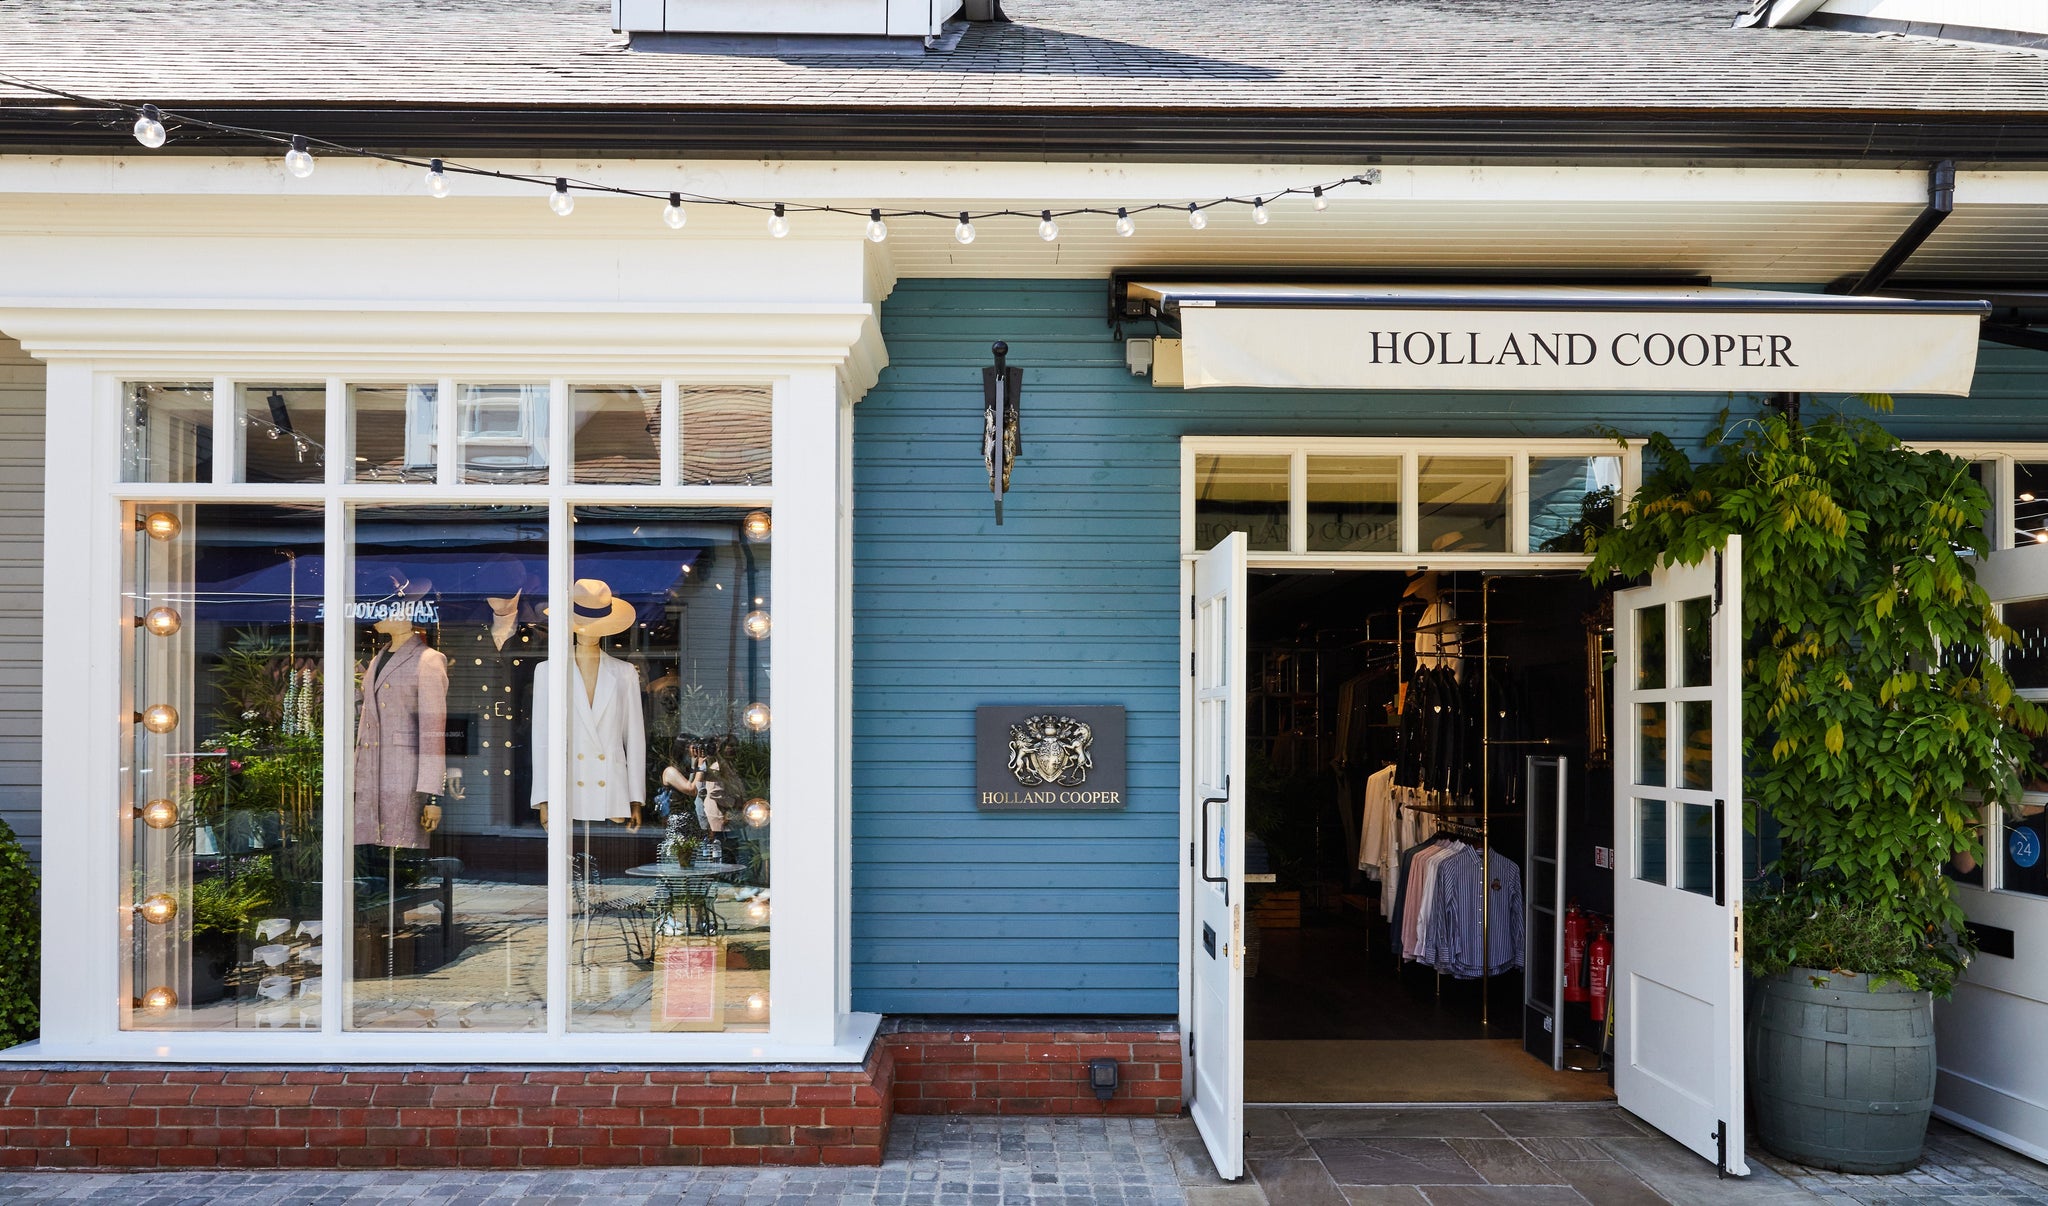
column 757, row 1002
column 437, row 180
column 1196, row 218
column 1124, row 225
column 963, row 234
column 162, row 525
column 673, row 213
column 756, row 624
column 756, row 812
column 756, row 717
column 1322, row 202
column 160, row 999
column 757, row 525
column 149, row 127
column 757, row 910
column 159, row 908
column 160, row 718
column 1047, row 228
column 160, row 814
column 878, row 230
column 778, row 224
column 162, row 621
column 560, row 201
column 1259, row 215
column 299, row 160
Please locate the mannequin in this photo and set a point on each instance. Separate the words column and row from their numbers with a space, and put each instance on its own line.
column 608, row 748
column 503, row 645
column 401, row 737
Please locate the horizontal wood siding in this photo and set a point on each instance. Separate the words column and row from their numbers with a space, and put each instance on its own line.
column 1075, row 600
column 21, row 593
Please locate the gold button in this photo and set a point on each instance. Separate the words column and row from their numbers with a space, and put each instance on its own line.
column 579, row 757
column 579, row 782
column 600, row 757
column 600, row 782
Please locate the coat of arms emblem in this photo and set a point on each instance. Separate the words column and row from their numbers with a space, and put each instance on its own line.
column 1049, row 750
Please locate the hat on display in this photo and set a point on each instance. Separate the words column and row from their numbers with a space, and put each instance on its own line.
column 595, row 611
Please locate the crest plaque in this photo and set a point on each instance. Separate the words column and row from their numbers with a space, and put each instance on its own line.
column 1049, row 757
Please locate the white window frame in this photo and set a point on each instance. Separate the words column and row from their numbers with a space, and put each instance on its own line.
column 1411, row 452
column 812, row 357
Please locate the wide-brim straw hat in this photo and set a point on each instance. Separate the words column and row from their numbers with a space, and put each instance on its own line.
column 595, row 611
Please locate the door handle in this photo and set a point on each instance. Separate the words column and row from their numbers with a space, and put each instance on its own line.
column 1208, row 878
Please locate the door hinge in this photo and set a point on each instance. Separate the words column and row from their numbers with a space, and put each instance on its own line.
column 1191, row 664
column 1721, row 1149
column 1191, row 854
column 1191, row 607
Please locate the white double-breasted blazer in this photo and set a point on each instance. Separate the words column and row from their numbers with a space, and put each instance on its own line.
column 608, row 755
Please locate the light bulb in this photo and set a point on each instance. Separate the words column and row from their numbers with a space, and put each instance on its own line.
column 756, row 717
column 756, row 812
column 757, row 525
column 756, row 624
column 149, row 127
column 162, row 621
column 160, row 814
column 299, row 160
column 757, row 1002
column 159, row 908
column 160, row 999
column 1124, row 225
column 1322, row 202
column 2041, row 537
column 437, row 181
column 160, row 718
column 878, row 230
column 757, row 910
column 778, row 225
column 1196, row 218
column 963, row 234
column 560, row 201
column 162, row 525
column 1259, row 214
column 673, row 213
column 2026, row 498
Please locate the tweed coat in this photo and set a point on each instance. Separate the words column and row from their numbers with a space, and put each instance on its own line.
column 401, row 744
column 608, row 757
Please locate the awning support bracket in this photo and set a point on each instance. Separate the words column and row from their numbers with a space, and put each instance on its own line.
column 1941, row 202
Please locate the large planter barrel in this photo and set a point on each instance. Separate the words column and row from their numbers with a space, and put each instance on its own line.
column 1841, row 1077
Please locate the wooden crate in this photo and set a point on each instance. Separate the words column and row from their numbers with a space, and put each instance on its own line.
column 1277, row 910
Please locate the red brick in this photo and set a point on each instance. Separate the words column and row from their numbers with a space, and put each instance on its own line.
column 342, row 1095
column 367, row 1157
column 433, row 1078
column 431, row 1116
column 549, row 1157
column 490, row 1157
column 585, row 1095
column 254, row 1078
column 518, row 1136
column 194, row 1076
column 611, row 1116
column 493, row 1078
column 462, row 1095
column 394, row 1136
column 187, row 1157
column 854, row 1116
column 824, row 1095
column 338, row 1136
column 551, row 1116
column 41, row 1095
column 490, row 1117
column 701, row 1136
column 851, row 1156
column 271, row 1136
column 791, row 1115
column 732, row 1116
column 645, row 1095
column 222, row 1095
column 360, row 1077
column 522, row 1095
column 703, row 1095
column 556, row 1078
column 282, row 1095
column 616, row 1078
column 161, row 1095
column 402, row 1095
column 732, row 1155
column 127, row 1116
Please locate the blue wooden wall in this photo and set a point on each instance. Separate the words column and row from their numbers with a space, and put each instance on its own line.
column 1075, row 600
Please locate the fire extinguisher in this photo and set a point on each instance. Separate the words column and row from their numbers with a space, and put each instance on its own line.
column 1600, row 958
column 1574, row 954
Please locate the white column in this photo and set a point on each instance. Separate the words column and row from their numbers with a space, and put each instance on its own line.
column 807, row 733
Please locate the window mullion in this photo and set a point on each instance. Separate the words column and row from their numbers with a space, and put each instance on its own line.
column 1518, row 504
column 1297, row 502
column 337, row 851
column 446, row 444
column 228, row 437
column 561, row 656
column 1411, row 501
column 671, row 433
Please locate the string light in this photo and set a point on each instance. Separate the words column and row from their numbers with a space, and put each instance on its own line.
column 437, row 180
column 159, row 908
column 1196, row 218
column 162, row 621
column 1322, row 202
column 1124, row 225
column 963, row 234
column 756, row 624
column 162, row 525
column 878, row 230
column 299, row 160
column 756, row 717
column 756, row 812
column 161, row 999
column 160, row 718
column 673, row 213
column 1047, row 228
column 160, row 814
column 1259, row 215
column 778, row 222
column 757, row 525
column 560, row 201
column 149, row 128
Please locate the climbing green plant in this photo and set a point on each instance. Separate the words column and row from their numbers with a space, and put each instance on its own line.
column 1875, row 720
column 21, row 931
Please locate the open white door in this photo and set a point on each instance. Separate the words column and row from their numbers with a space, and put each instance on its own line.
column 1215, row 811
column 1989, row 1081
column 1677, row 991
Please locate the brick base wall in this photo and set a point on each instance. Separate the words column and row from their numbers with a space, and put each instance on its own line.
column 83, row 1116
column 1023, row 1066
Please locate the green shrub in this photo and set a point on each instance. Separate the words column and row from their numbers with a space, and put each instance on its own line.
column 21, row 931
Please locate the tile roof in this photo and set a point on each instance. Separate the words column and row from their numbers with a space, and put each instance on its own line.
column 1635, row 56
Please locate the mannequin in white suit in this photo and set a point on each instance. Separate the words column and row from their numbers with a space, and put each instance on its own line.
column 608, row 752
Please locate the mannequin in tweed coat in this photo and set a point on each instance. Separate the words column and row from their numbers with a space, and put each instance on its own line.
column 401, row 741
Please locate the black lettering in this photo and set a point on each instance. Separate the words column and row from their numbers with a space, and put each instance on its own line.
column 1752, row 351
column 1689, row 359
column 1510, row 346
column 1393, row 355
column 1723, row 344
column 1650, row 347
column 1574, row 342
column 1443, row 350
column 1781, row 345
column 1472, row 343
column 1428, row 347
column 1539, row 348
column 1615, row 349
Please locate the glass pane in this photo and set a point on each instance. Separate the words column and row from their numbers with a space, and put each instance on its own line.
column 669, row 797
column 222, row 683
column 1985, row 473
column 1696, row 650
column 1650, row 648
column 167, row 431
column 1463, row 505
column 1354, row 504
column 727, row 433
column 1650, row 744
column 618, row 433
column 2026, row 659
column 2029, row 502
column 449, row 894
column 1650, row 841
column 1570, row 497
column 284, row 432
column 1696, row 848
column 394, row 431
column 1241, row 494
column 2026, row 836
column 1696, row 769
column 502, row 433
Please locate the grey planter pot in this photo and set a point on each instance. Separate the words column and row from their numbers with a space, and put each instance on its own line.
column 1841, row 1077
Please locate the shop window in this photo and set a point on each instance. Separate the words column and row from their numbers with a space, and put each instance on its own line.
column 2026, row 657
column 727, row 434
column 618, row 434
column 1242, row 493
column 393, row 429
column 1354, row 504
column 167, row 431
column 222, row 852
column 284, row 432
column 1569, row 499
column 502, row 433
column 1462, row 504
column 2029, row 503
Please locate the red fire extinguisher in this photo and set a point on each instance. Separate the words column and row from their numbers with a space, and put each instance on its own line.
column 1574, row 954
column 1600, row 958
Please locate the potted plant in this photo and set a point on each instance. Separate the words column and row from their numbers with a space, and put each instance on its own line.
column 1876, row 724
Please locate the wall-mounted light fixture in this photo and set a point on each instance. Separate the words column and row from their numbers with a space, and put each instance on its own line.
column 1102, row 1078
column 1002, row 434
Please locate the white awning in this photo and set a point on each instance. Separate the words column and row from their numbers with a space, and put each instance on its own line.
column 1652, row 338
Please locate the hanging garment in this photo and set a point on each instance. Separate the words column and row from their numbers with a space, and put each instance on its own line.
column 608, row 755
column 401, row 744
column 1376, row 824
column 1470, row 941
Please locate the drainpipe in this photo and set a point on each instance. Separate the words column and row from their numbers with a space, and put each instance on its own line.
column 1941, row 201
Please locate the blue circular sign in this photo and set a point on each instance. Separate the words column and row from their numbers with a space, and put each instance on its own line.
column 2025, row 846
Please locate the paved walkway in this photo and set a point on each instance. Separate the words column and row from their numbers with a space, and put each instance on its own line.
column 1549, row 1156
